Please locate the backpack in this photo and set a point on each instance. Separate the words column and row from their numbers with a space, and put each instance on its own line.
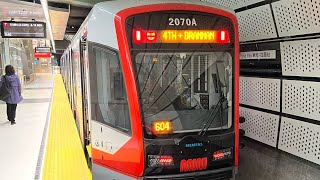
column 5, row 89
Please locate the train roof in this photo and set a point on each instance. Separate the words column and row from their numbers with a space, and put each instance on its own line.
column 100, row 21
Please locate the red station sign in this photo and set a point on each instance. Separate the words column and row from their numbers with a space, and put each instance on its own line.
column 42, row 52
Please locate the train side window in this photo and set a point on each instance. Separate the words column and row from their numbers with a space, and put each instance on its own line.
column 108, row 92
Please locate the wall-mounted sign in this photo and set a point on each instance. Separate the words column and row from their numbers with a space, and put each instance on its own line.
column 42, row 55
column 42, row 49
column 42, row 52
column 271, row 54
column 11, row 29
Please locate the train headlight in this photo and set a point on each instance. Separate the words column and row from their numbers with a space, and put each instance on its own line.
column 222, row 154
column 160, row 160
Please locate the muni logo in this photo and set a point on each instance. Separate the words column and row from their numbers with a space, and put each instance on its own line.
column 193, row 164
column 194, row 145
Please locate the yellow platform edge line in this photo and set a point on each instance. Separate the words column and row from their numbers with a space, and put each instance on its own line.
column 64, row 156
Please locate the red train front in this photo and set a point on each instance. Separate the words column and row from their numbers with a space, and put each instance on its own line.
column 163, row 100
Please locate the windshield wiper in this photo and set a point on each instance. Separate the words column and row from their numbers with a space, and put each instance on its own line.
column 213, row 114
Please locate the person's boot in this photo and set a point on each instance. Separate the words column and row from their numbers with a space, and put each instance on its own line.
column 13, row 122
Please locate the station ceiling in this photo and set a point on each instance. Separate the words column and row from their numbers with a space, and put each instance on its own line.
column 79, row 9
column 66, row 16
column 20, row 11
column 83, row 3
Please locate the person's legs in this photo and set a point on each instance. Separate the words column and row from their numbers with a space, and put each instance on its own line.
column 13, row 111
column 9, row 112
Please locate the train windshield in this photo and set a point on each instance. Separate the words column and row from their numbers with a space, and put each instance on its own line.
column 182, row 91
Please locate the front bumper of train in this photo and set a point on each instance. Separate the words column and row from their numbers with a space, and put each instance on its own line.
column 217, row 174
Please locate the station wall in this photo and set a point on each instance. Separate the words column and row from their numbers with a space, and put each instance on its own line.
column 19, row 54
column 280, row 73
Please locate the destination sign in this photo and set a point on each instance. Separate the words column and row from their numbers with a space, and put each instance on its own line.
column 194, row 36
column 187, row 30
column 181, row 36
column 11, row 29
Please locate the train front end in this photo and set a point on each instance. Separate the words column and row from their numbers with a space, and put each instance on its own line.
column 164, row 105
column 184, row 62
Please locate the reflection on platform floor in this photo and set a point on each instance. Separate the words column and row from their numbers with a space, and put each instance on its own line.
column 261, row 162
column 21, row 142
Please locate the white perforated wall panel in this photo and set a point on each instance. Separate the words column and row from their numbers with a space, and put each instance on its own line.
column 301, row 139
column 301, row 98
column 260, row 126
column 301, row 58
column 297, row 17
column 256, row 23
column 234, row 4
column 260, row 92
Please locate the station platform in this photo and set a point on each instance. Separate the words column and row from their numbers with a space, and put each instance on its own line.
column 44, row 143
column 20, row 143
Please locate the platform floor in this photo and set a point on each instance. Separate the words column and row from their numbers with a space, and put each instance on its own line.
column 21, row 142
column 261, row 162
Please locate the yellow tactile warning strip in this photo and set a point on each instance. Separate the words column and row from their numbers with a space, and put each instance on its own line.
column 64, row 159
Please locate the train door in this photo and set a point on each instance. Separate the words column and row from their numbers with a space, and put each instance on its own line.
column 74, row 82
column 78, row 109
column 69, row 70
column 84, row 87
column 70, row 79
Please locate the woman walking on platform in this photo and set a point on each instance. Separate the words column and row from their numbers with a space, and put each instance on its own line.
column 15, row 96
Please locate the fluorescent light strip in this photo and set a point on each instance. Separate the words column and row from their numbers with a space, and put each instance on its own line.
column 44, row 4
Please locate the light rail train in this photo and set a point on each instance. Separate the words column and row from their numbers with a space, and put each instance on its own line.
column 154, row 89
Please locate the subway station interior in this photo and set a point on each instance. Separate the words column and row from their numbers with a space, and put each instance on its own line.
column 160, row 89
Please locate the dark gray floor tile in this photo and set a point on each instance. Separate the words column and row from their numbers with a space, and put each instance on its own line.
column 261, row 162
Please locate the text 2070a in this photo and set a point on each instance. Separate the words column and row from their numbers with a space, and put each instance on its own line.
column 182, row 22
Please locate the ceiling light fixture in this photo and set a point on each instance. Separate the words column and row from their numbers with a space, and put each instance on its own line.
column 44, row 4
